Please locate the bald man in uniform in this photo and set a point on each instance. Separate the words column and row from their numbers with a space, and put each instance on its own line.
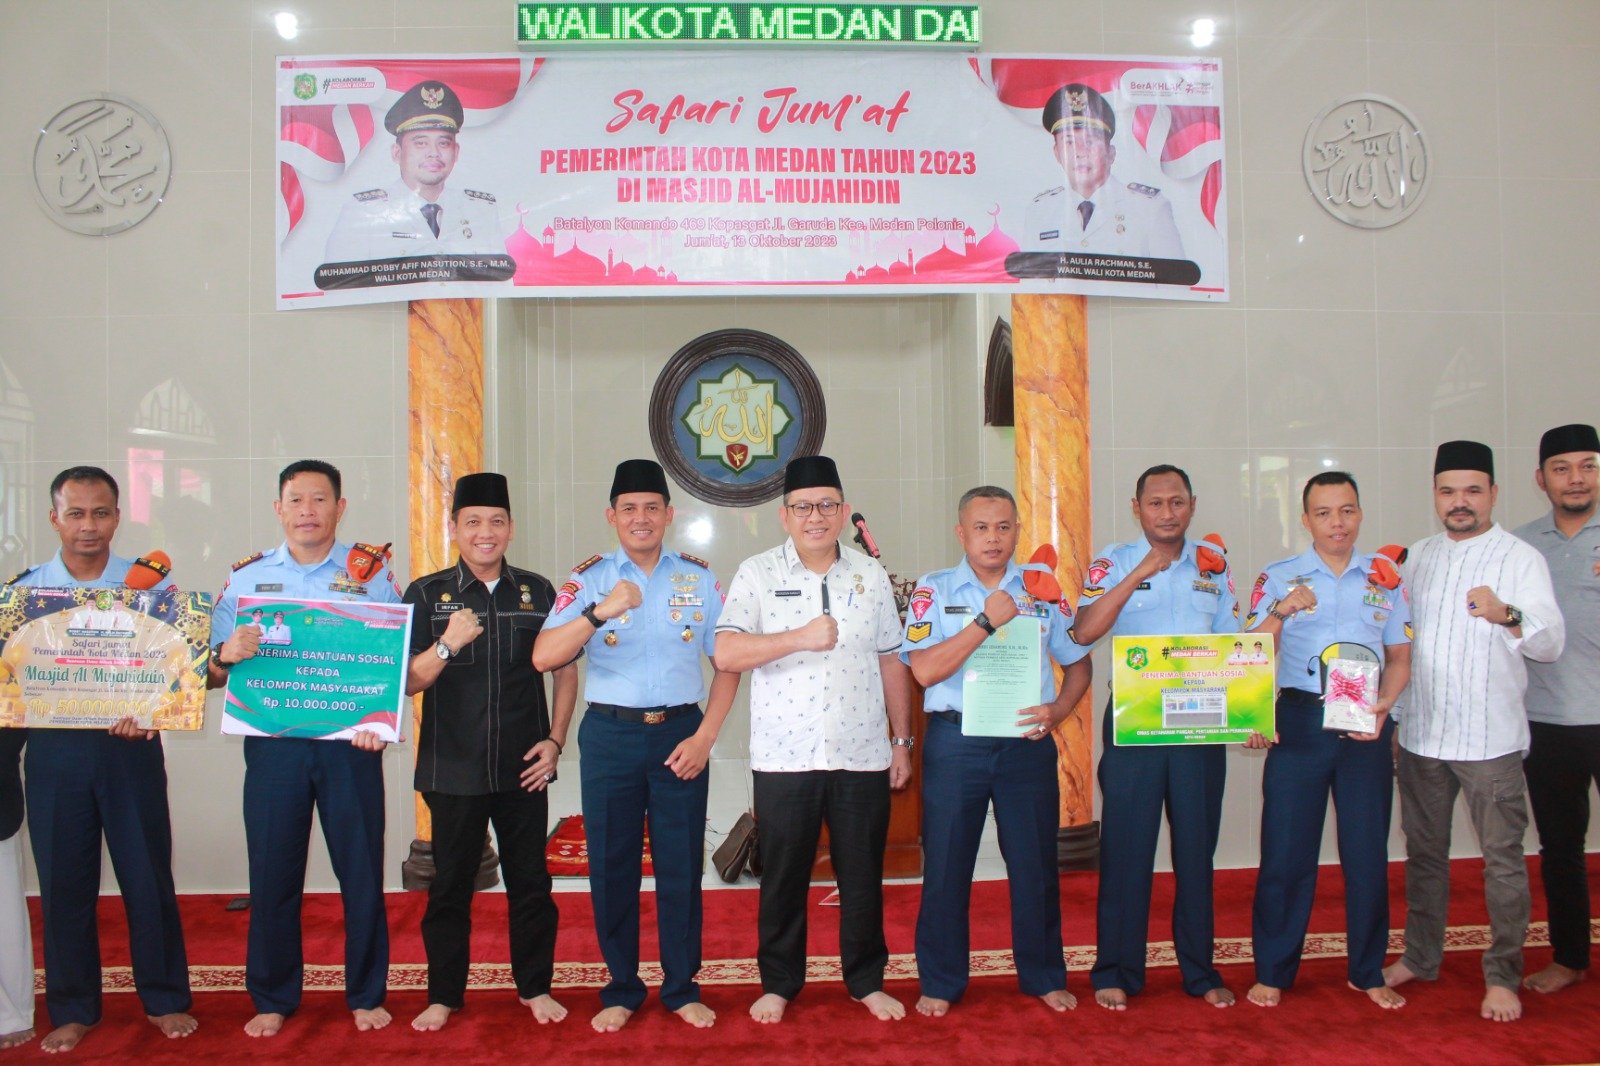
column 1091, row 213
column 418, row 215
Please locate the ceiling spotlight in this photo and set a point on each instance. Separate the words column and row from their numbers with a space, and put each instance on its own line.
column 1202, row 32
column 287, row 24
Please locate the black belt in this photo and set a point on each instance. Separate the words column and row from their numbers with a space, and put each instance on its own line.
column 645, row 715
column 1298, row 695
column 953, row 717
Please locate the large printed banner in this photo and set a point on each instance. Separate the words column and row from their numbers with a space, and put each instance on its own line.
column 76, row 658
column 324, row 669
column 416, row 177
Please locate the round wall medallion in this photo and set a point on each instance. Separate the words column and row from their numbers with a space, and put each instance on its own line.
column 728, row 412
column 1366, row 161
column 101, row 165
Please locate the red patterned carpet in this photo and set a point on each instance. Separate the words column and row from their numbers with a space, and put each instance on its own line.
column 1319, row 1021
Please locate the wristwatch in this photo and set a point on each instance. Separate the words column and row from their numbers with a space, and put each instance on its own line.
column 983, row 623
column 1279, row 615
column 442, row 650
column 1513, row 617
column 594, row 619
column 903, row 742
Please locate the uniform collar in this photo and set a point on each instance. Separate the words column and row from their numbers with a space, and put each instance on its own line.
column 1185, row 556
column 111, row 562
column 1359, row 562
column 668, row 558
column 465, row 578
column 282, row 557
column 792, row 560
column 965, row 575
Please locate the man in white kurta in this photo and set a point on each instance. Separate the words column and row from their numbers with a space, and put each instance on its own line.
column 1481, row 604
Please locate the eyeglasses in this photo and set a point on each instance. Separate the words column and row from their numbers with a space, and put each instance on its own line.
column 825, row 508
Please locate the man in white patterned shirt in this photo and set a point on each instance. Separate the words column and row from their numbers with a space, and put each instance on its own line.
column 1481, row 603
column 816, row 624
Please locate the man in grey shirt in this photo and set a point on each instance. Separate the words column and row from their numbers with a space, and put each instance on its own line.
column 1563, row 713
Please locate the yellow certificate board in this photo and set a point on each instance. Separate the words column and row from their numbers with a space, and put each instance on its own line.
column 75, row 658
column 1202, row 688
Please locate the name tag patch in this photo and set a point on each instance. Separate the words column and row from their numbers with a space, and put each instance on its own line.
column 787, row 592
column 274, row 586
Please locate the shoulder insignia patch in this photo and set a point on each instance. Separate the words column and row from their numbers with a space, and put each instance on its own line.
column 476, row 195
column 368, row 195
column 587, row 563
column 242, row 563
column 917, row 632
column 696, row 560
column 1143, row 190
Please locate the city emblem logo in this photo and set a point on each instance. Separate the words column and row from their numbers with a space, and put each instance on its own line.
column 736, row 419
column 305, row 86
column 1138, row 658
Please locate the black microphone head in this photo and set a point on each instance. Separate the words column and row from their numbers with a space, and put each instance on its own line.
column 858, row 519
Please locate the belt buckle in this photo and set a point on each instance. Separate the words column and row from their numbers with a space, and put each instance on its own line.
column 654, row 717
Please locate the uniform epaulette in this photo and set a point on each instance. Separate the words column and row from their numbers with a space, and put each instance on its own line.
column 368, row 195
column 1143, row 190
column 242, row 563
column 581, row 567
column 686, row 557
column 18, row 576
column 476, row 195
column 1048, row 193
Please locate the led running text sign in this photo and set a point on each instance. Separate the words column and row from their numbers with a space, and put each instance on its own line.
column 542, row 25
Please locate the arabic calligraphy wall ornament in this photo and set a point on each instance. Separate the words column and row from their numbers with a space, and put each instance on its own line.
column 1366, row 161
column 101, row 165
column 728, row 412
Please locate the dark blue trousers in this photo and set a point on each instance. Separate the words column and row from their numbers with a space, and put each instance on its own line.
column 285, row 778
column 1135, row 783
column 1302, row 767
column 80, row 784
column 624, row 782
column 960, row 777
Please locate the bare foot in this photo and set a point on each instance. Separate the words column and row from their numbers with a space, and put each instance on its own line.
column 16, row 1039
column 1552, row 978
column 1397, row 973
column 1501, row 1005
column 883, row 1006
column 1264, row 995
column 546, row 1010
column 698, row 1015
column 1060, row 1000
column 1383, row 996
column 1111, row 998
column 1220, row 997
column 432, row 1019
column 174, row 1025
column 64, row 1038
column 769, row 1008
column 933, row 1008
column 610, row 1020
column 264, row 1025
column 369, row 1020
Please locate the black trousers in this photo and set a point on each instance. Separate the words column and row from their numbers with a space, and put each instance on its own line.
column 459, row 825
column 1563, row 761
column 790, row 811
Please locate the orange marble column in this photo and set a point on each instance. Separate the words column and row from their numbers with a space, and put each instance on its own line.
column 446, row 402
column 1050, row 354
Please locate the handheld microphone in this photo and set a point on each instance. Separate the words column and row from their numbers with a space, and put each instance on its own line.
column 1043, row 584
column 149, row 570
column 864, row 536
column 365, row 561
column 1385, row 569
